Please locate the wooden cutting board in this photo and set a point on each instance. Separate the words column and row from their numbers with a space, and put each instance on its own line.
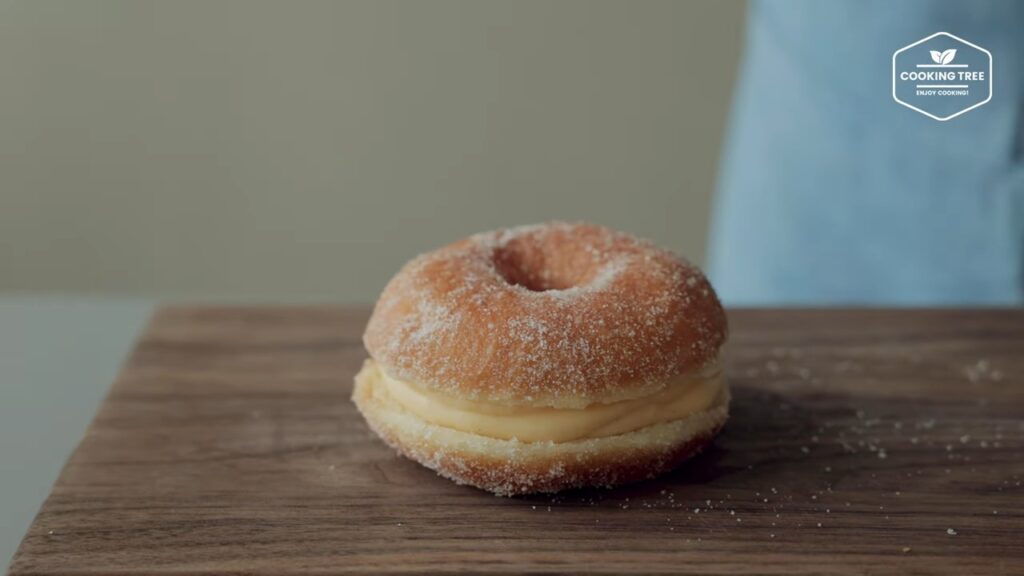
column 861, row 442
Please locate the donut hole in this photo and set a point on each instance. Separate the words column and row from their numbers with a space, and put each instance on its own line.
column 538, row 269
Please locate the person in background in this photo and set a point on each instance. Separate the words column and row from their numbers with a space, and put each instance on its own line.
column 831, row 193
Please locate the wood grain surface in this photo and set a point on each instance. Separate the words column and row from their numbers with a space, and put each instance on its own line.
column 861, row 442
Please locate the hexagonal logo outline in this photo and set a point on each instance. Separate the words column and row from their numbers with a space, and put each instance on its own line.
column 929, row 114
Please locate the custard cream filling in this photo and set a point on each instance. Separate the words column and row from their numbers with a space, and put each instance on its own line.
column 682, row 396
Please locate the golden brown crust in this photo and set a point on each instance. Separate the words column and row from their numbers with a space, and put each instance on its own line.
column 508, row 467
column 558, row 314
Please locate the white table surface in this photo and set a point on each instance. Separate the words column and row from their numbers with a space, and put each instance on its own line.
column 58, row 357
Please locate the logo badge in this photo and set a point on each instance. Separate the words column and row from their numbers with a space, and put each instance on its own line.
column 942, row 76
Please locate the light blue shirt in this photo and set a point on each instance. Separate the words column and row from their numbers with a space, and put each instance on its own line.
column 832, row 193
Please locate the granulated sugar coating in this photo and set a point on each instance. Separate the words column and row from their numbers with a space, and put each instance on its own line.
column 558, row 314
column 551, row 316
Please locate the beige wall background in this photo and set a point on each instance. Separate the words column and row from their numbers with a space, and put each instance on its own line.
column 236, row 149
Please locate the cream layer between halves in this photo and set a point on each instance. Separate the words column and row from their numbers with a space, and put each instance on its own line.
column 682, row 396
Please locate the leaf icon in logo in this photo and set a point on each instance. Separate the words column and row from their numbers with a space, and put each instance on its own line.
column 936, row 56
column 947, row 56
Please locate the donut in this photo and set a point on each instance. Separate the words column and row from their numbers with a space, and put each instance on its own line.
column 546, row 357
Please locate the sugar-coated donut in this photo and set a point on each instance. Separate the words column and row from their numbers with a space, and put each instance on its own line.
column 546, row 357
